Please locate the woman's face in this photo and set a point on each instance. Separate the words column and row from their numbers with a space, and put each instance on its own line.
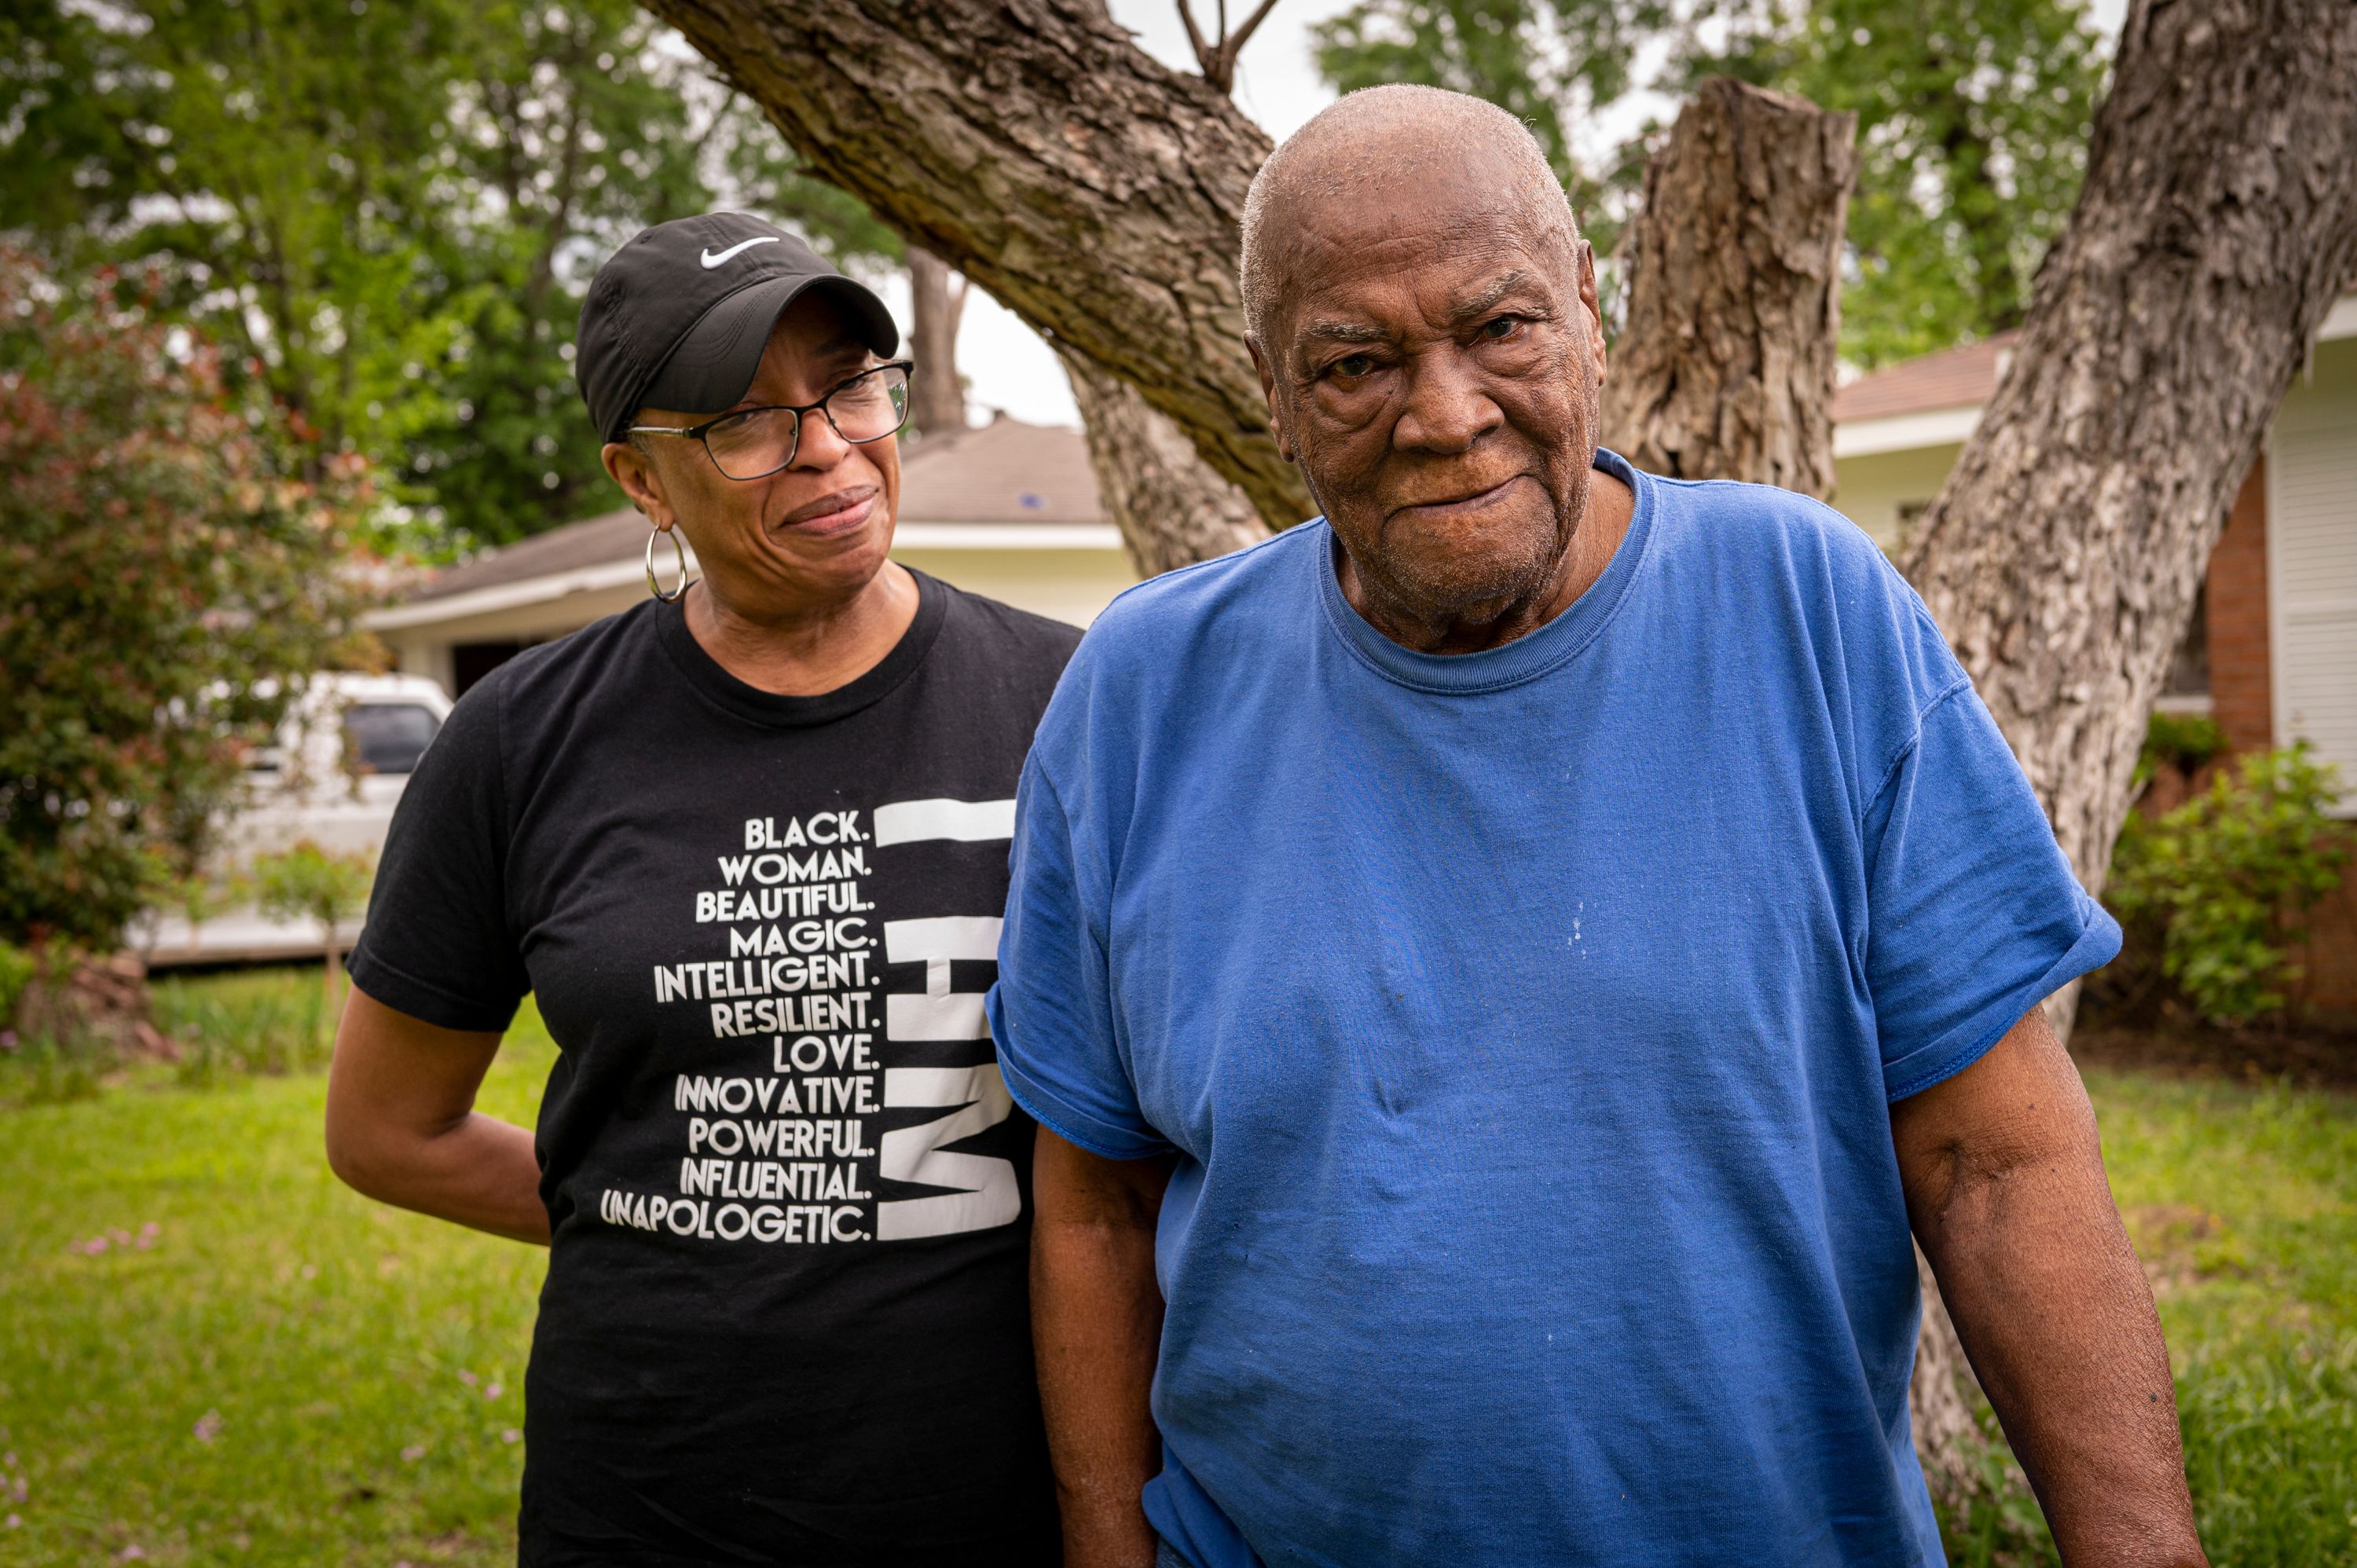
column 811, row 535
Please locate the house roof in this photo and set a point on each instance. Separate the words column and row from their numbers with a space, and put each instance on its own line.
column 1005, row 472
column 1953, row 378
column 616, row 536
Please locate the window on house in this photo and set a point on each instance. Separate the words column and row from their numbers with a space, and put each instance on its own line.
column 1910, row 513
column 2189, row 668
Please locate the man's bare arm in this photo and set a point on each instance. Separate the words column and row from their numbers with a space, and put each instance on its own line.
column 402, row 1125
column 2007, row 1192
column 1096, row 1320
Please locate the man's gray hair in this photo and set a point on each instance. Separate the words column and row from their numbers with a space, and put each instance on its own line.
column 1351, row 147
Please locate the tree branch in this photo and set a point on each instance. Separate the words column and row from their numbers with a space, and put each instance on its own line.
column 1218, row 61
column 1203, row 50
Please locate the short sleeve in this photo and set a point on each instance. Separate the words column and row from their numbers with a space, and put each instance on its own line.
column 1974, row 915
column 1052, row 1013
column 437, row 944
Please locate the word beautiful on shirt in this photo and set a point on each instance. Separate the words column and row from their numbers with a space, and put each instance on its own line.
column 788, row 1150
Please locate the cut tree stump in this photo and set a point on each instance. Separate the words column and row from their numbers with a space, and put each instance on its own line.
column 1725, row 369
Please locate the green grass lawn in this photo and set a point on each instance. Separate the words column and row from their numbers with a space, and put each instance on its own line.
column 2243, row 1204
column 211, row 1352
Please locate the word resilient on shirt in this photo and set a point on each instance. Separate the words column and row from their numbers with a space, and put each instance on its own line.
column 785, row 1319
column 1525, row 1025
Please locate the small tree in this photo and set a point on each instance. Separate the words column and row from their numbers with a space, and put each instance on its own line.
column 313, row 884
column 195, row 892
column 166, row 585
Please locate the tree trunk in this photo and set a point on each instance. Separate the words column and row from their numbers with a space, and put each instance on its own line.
column 1726, row 368
column 1033, row 145
column 1940, row 1396
column 2216, row 226
column 1172, row 508
column 937, row 392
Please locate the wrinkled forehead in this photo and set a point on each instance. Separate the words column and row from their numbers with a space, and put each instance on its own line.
column 1399, row 266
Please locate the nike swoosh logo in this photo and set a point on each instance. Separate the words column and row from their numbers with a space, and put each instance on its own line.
column 711, row 261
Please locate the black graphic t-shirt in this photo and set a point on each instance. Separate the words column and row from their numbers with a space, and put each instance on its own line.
column 785, row 1316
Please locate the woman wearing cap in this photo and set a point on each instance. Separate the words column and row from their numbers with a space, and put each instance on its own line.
column 747, row 846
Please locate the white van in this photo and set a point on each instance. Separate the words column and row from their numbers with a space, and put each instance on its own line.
column 340, row 762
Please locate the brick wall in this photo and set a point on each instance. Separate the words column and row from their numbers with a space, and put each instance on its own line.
column 2236, row 594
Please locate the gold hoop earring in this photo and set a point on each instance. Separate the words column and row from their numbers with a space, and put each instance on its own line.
column 654, row 586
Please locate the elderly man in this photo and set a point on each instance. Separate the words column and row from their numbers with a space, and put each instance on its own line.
column 1501, row 969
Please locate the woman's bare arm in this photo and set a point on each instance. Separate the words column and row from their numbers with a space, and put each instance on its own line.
column 402, row 1125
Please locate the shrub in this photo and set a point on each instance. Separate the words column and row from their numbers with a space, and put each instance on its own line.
column 174, row 559
column 15, row 973
column 306, row 882
column 2182, row 741
column 2222, row 879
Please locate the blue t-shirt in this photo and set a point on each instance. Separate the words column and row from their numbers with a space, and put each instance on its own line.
column 1525, row 1024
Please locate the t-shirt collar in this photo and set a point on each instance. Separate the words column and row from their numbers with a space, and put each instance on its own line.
column 726, row 692
column 1525, row 658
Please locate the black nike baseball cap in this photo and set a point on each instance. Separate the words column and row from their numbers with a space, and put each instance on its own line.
column 679, row 317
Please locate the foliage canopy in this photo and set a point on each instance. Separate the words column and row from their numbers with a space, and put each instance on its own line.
column 1972, row 118
column 390, row 210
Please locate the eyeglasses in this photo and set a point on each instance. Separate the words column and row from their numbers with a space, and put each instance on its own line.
column 754, row 442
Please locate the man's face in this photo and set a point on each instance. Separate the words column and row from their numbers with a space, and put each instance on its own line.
column 1435, row 369
column 814, row 532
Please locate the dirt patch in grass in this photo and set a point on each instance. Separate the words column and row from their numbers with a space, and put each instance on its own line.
column 2182, row 1244
column 2311, row 1057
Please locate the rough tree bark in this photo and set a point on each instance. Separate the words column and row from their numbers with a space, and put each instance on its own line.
column 1091, row 189
column 937, row 394
column 1173, row 509
column 1725, row 369
column 2216, row 226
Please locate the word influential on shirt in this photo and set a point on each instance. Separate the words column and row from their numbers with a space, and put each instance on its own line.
column 791, row 1155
